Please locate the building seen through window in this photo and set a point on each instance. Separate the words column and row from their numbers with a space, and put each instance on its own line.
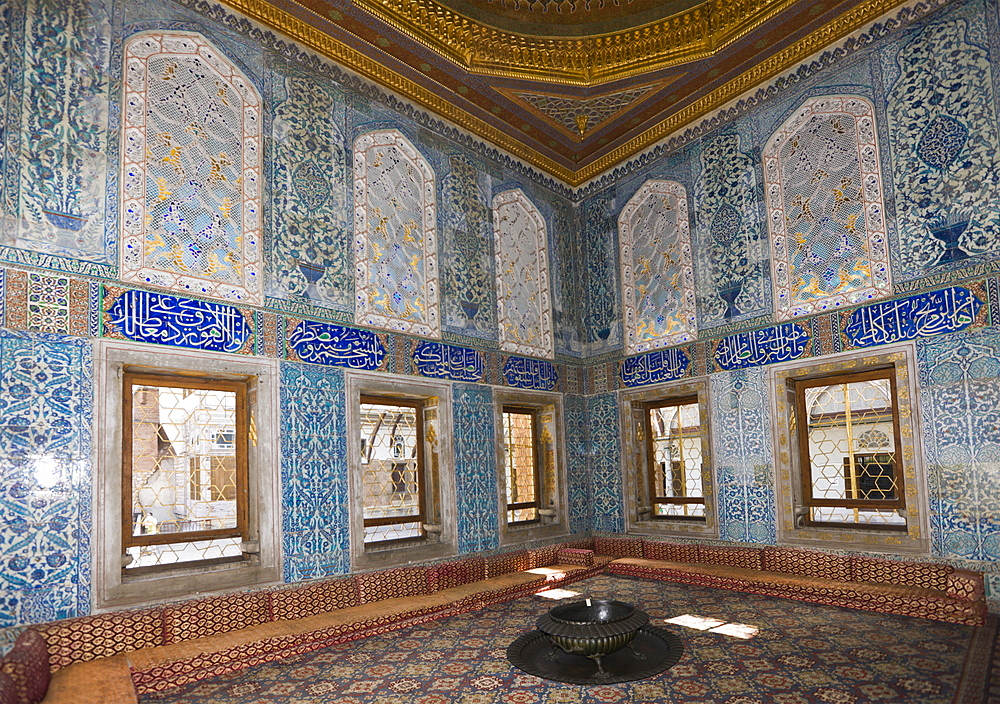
column 392, row 469
column 184, row 469
column 674, row 456
column 848, row 440
column 521, row 463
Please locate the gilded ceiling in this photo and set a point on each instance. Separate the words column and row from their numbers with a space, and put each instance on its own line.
column 573, row 87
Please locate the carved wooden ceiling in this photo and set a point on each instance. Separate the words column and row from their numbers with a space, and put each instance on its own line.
column 573, row 87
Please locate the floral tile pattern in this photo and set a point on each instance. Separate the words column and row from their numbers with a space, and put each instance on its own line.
column 475, row 469
column 961, row 424
column 45, row 472
column 310, row 186
column 315, row 530
column 741, row 424
column 608, row 503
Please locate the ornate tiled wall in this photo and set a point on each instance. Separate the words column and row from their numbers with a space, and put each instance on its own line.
column 475, row 469
column 314, row 522
column 604, row 453
column 741, row 425
column 577, row 469
column 45, row 477
column 930, row 78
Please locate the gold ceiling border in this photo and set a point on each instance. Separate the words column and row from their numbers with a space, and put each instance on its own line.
column 688, row 36
column 305, row 34
column 788, row 58
column 310, row 37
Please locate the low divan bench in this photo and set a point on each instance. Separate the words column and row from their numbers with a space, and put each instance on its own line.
column 905, row 587
column 108, row 658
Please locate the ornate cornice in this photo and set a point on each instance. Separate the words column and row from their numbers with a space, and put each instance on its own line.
column 584, row 61
column 316, row 40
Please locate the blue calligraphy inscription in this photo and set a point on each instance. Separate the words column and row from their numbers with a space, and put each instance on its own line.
column 335, row 345
column 652, row 368
column 530, row 374
column 181, row 322
column 780, row 343
column 923, row 315
column 441, row 361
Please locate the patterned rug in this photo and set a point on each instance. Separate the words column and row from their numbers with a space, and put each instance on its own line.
column 801, row 653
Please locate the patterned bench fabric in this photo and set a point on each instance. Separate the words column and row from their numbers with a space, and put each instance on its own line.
column 311, row 599
column 101, row 635
column 217, row 614
column 575, row 556
column 543, row 556
column 389, row 584
column 808, row 563
column 506, row 562
column 27, row 664
column 446, row 575
column 619, row 547
column 913, row 574
column 746, row 558
column 671, row 552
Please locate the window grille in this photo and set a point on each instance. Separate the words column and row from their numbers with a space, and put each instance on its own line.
column 392, row 469
column 184, row 492
column 842, row 418
column 521, row 463
column 674, row 438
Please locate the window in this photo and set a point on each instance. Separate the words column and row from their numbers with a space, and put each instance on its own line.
column 530, row 485
column 184, row 493
column 847, row 468
column 674, row 438
column 402, row 480
column 393, row 478
column 187, row 487
column 842, row 416
column 667, row 456
column 520, row 441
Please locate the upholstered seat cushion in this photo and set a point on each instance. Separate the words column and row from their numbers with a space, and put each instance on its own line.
column 101, row 635
column 104, row 681
column 311, row 599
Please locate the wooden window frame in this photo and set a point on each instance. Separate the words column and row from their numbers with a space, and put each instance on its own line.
column 533, row 413
column 240, row 388
column 421, row 517
column 650, row 452
column 799, row 387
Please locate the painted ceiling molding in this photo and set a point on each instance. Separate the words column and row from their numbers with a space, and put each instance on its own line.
column 476, row 76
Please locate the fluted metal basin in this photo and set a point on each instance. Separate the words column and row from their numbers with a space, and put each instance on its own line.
column 592, row 629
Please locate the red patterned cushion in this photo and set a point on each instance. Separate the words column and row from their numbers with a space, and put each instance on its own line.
column 101, row 635
column 217, row 614
column 542, row 557
column 808, row 563
column 619, row 547
column 671, row 552
column 446, row 575
column 8, row 690
column 311, row 599
column 27, row 664
column 575, row 556
column 389, row 584
column 507, row 562
column 747, row 558
column 911, row 574
column 965, row 584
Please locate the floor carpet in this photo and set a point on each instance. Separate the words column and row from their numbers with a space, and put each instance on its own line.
column 802, row 653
